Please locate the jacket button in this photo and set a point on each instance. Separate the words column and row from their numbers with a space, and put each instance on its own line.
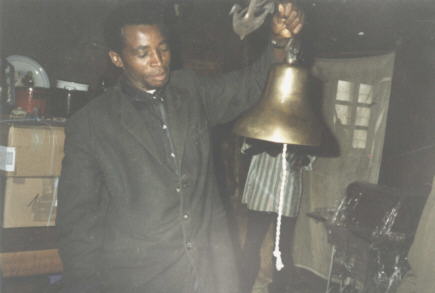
column 186, row 216
column 189, row 245
column 178, row 189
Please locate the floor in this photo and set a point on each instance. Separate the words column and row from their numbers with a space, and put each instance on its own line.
column 309, row 283
column 34, row 284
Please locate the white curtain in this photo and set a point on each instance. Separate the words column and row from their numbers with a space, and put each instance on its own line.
column 355, row 99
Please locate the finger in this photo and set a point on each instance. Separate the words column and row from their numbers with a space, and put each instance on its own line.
column 297, row 29
column 284, row 9
column 278, row 23
column 281, row 9
column 300, row 24
column 292, row 17
column 288, row 9
column 301, row 19
column 278, row 17
column 296, row 25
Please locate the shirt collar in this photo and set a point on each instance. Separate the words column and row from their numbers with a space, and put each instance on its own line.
column 136, row 95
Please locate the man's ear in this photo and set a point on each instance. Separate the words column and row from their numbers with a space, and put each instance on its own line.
column 116, row 59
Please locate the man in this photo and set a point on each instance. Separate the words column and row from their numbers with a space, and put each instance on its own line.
column 138, row 203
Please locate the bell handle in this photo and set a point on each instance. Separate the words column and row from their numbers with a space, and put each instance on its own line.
column 292, row 50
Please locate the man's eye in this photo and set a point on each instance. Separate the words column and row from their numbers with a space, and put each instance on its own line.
column 142, row 54
column 164, row 48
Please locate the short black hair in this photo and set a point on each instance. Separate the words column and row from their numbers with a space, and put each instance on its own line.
column 134, row 13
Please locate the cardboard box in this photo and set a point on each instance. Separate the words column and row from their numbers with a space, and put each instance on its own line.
column 31, row 150
column 29, row 202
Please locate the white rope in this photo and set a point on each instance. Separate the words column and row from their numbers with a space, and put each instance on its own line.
column 276, row 252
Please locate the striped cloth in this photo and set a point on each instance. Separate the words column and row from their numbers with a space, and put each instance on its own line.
column 263, row 183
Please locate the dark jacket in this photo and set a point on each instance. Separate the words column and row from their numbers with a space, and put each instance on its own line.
column 127, row 221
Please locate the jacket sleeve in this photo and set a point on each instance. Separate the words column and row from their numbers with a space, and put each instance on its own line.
column 81, row 210
column 228, row 95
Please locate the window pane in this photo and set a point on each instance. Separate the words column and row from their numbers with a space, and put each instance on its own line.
column 365, row 94
column 344, row 90
column 359, row 139
column 362, row 116
column 343, row 114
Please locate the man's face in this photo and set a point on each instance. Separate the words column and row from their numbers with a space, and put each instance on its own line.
column 145, row 57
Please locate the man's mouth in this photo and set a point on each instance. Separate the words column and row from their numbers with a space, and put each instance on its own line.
column 160, row 77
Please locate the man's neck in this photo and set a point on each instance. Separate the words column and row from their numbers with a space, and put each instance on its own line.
column 131, row 85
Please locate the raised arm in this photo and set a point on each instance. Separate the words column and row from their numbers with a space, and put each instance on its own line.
column 226, row 96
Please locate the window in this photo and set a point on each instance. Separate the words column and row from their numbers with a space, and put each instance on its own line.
column 353, row 110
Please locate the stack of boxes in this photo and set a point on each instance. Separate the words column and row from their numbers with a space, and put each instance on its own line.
column 30, row 165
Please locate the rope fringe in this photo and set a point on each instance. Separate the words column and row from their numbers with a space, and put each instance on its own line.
column 276, row 252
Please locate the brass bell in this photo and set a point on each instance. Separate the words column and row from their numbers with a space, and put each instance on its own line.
column 284, row 113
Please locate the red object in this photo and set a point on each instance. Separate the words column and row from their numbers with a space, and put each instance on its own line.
column 33, row 100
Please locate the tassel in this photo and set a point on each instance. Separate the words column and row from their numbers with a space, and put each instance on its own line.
column 278, row 263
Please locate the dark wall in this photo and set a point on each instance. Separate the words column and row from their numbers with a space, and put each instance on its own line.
column 409, row 151
column 63, row 36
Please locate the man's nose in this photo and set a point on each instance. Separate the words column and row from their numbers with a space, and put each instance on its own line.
column 156, row 59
